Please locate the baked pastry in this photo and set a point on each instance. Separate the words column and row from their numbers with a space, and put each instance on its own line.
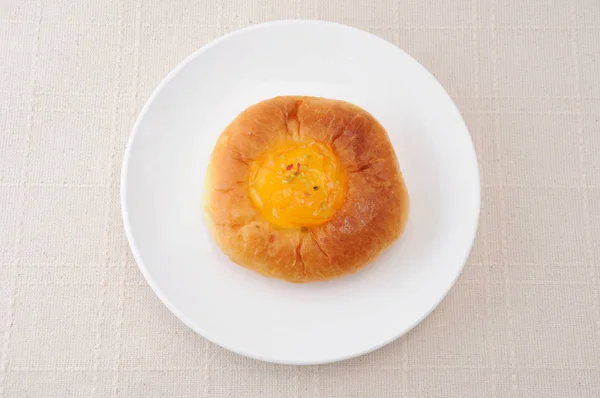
column 304, row 189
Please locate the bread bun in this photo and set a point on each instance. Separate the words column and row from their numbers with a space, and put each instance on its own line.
column 304, row 189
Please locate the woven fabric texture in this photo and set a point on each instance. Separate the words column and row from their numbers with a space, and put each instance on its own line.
column 76, row 317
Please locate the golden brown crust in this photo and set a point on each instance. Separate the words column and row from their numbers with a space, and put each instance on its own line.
column 376, row 204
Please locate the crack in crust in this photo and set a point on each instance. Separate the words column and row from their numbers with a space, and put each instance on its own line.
column 343, row 131
column 320, row 247
column 299, row 259
column 235, row 185
column 238, row 156
column 365, row 167
column 230, row 225
column 292, row 122
column 225, row 190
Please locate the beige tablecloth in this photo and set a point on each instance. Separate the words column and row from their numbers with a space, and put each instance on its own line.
column 77, row 318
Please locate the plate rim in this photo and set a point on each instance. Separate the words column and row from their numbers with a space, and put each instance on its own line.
column 137, row 255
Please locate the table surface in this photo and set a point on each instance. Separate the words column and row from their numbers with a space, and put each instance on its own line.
column 77, row 318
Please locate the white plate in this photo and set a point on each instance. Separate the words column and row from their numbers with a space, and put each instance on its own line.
column 271, row 320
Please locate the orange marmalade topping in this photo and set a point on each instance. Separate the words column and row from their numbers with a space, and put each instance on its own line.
column 297, row 184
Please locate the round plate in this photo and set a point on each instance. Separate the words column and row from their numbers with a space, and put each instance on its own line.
column 163, row 175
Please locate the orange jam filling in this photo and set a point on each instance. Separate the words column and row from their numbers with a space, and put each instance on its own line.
column 297, row 184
